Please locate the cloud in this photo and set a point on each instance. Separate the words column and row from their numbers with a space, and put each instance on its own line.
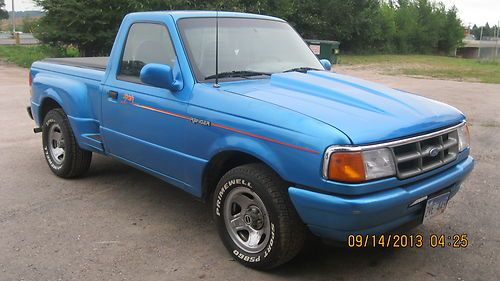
column 476, row 11
column 21, row 5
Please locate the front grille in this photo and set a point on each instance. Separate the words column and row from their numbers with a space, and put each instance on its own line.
column 424, row 155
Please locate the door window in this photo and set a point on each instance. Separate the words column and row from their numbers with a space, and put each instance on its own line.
column 146, row 43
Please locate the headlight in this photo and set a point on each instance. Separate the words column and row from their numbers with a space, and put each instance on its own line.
column 463, row 138
column 378, row 163
column 358, row 166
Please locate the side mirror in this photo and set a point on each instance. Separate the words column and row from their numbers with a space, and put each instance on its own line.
column 159, row 75
column 327, row 65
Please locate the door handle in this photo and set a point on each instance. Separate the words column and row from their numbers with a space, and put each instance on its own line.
column 113, row 95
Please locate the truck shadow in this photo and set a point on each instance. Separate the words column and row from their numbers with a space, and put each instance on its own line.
column 336, row 261
column 166, row 206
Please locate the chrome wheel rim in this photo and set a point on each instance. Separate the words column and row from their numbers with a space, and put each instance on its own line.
column 247, row 219
column 56, row 144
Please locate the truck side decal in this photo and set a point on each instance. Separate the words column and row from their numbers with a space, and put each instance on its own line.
column 195, row 120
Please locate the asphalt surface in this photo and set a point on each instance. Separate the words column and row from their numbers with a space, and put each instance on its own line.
column 118, row 223
column 25, row 39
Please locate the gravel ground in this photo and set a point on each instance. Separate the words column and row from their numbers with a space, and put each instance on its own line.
column 118, row 223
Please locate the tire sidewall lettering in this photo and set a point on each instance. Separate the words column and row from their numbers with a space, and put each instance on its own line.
column 247, row 258
column 271, row 242
column 49, row 159
column 219, row 205
column 50, row 122
column 47, row 124
column 229, row 184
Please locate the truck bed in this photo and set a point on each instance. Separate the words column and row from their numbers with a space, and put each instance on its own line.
column 98, row 63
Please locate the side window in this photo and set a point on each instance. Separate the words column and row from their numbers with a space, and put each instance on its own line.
column 146, row 43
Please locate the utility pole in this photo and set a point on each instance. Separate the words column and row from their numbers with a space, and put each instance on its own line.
column 480, row 39
column 496, row 42
column 13, row 18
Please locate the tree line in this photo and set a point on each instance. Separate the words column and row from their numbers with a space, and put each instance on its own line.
column 362, row 26
column 486, row 29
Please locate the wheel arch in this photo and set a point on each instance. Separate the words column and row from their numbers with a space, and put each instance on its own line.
column 47, row 105
column 69, row 94
column 221, row 163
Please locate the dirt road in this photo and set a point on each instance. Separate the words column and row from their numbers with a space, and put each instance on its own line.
column 118, row 223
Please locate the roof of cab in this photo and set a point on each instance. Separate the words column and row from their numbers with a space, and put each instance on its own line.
column 176, row 15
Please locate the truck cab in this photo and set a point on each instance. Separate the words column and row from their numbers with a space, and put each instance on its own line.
column 236, row 110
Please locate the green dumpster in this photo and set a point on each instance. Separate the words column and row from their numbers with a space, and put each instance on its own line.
column 325, row 49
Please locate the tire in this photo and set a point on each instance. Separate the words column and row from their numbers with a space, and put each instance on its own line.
column 64, row 157
column 255, row 217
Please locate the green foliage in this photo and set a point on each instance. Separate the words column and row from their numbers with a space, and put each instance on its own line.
column 487, row 31
column 3, row 13
column 29, row 24
column 404, row 26
column 25, row 55
column 440, row 67
column 88, row 24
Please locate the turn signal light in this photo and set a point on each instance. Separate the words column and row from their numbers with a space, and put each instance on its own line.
column 347, row 167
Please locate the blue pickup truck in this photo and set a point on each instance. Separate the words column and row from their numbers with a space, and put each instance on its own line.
column 236, row 110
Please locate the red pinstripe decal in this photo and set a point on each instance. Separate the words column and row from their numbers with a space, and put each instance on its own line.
column 226, row 128
column 264, row 138
column 162, row 111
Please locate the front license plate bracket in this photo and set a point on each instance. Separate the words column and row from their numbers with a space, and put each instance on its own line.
column 436, row 206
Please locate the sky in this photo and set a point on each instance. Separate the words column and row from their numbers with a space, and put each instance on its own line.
column 476, row 11
column 471, row 11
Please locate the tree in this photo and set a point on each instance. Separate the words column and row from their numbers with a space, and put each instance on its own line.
column 476, row 31
column 29, row 24
column 487, row 30
column 452, row 33
column 88, row 25
column 3, row 13
column 403, row 26
column 92, row 25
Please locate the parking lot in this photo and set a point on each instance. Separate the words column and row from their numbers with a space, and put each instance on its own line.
column 118, row 223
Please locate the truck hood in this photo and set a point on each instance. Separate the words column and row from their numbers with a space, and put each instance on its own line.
column 366, row 112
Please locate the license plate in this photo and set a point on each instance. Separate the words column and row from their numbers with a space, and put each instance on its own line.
column 436, row 206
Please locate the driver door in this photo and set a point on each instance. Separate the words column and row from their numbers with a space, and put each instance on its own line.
column 140, row 123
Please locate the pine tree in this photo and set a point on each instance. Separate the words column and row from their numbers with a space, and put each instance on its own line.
column 3, row 13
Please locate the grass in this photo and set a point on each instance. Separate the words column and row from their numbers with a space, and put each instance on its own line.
column 439, row 67
column 24, row 56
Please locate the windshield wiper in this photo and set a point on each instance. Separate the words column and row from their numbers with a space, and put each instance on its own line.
column 303, row 69
column 237, row 73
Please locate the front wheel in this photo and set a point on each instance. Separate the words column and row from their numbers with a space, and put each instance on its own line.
column 255, row 218
column 65, row 158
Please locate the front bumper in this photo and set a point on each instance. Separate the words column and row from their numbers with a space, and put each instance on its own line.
column 337, row 216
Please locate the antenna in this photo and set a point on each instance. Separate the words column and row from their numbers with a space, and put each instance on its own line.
column 216, row 85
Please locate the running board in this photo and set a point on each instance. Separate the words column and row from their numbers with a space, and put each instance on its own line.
column 96, row 137
column 92, row 142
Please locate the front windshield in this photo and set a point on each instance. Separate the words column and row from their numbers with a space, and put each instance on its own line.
column 251, row 45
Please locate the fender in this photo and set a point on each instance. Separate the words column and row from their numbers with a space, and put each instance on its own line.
column 287, row 162
column 246, row 146
column 69, row 93
column 252, row 147
column 72, row 96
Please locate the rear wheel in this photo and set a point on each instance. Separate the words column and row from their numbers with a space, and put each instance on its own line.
column 255, row 218
column 64, row 157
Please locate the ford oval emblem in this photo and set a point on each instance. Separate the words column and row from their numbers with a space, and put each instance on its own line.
column 434, row 152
